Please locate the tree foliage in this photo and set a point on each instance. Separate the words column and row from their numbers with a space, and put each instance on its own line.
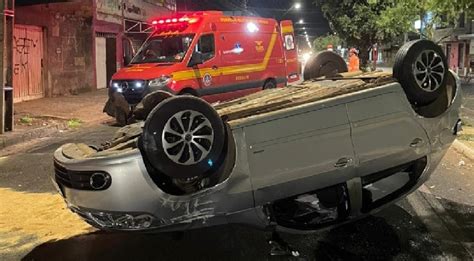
column 451, row 8
column 362, row 23
column 322, row 42
column 356, row 22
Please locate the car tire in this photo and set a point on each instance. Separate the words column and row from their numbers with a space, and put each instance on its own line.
column 421, row 68
column 269, row 84
column 169, row 137
column 324, row 63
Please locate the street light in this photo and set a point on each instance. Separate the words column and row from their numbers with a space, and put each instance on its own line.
column 296, row 6
column 301, row 21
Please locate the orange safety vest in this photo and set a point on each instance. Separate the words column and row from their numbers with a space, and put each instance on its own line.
column 353, row 63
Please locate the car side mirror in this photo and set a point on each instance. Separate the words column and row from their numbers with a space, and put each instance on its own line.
column 196, row 59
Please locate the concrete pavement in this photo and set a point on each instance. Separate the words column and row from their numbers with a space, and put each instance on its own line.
column 48, row 116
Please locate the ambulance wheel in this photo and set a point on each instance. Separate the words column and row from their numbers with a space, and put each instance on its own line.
column 269, row 84
column 121, row 117
column 183, row 137
column 422, row 70
column 189, row 92
column 325, row 63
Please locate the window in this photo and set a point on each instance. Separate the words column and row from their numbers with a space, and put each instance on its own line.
column 461, row 56
column 462, row 20
column 206, row 47
column 289, row 42
column 448, row 54
column 164, row 49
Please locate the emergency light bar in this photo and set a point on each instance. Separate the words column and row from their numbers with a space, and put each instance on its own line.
column 173, row 24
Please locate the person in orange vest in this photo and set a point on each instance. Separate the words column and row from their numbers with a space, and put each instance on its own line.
column 353, row 60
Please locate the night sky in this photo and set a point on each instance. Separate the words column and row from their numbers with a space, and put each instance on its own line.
column 314, row 22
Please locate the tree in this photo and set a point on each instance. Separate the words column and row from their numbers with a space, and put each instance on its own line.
column 362, row 23
column 355, row 21
column 403, row 14
column 452, row 9
column 321, row 43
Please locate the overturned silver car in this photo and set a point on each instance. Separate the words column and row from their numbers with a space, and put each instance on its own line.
column 297, row 159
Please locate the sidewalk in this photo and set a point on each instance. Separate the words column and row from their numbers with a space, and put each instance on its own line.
column 48, row 116
column 466, row 142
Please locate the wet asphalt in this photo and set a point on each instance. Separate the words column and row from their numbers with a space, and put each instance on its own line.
column 434, row 223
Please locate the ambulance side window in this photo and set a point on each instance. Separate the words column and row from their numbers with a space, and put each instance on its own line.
column 206, row 47
column 289, row 42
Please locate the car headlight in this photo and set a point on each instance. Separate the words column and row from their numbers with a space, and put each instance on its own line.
column 160, row 82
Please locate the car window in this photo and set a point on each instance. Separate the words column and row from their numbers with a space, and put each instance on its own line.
column 206, row 46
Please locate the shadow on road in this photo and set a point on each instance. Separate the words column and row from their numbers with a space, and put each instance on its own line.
column 393, row 234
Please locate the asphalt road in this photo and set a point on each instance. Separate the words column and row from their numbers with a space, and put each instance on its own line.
column 434, row 223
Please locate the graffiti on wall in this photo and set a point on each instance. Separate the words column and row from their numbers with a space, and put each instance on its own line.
column 22, row 46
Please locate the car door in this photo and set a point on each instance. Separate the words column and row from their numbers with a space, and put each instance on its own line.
column 299, row 151
column 385, row 131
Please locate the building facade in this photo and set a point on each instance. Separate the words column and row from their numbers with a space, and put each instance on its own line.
column 458, row 44
column 74, row 46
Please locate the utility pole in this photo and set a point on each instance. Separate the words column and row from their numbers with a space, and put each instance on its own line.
column 7, row 8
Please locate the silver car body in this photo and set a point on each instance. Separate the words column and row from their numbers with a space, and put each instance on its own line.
column 335, row 141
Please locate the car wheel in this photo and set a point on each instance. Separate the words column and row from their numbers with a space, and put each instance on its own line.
column 324, row 63
column 183, row 137
column 269, row 84
column 421, row 68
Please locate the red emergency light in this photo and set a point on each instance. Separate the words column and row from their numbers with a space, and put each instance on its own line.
column 173, row 24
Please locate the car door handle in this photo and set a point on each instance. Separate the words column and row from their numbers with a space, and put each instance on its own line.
column 418, row 142
column 342, row 163
column 215, row 67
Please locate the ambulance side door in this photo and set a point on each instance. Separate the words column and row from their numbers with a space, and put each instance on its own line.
column 207, row 74
column 290, row 51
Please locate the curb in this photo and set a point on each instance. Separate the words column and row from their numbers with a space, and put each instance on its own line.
column 31, row 134
column 463, row 149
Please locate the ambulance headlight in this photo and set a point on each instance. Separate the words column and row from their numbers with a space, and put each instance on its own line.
column 160, row 82
column 116, row 86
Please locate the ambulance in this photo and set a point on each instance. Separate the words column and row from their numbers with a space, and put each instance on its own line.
column 208, row 55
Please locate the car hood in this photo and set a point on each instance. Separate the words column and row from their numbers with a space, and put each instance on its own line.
column 146, row 71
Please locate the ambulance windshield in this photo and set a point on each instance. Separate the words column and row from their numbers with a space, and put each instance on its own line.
column 164, row 49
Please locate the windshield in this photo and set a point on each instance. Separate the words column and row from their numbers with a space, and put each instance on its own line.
column 164, row 49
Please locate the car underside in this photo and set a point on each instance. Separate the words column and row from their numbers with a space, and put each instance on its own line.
column 296, row 159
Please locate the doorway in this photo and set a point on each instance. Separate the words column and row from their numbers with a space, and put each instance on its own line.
column 27, row 63
column 106, row 58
